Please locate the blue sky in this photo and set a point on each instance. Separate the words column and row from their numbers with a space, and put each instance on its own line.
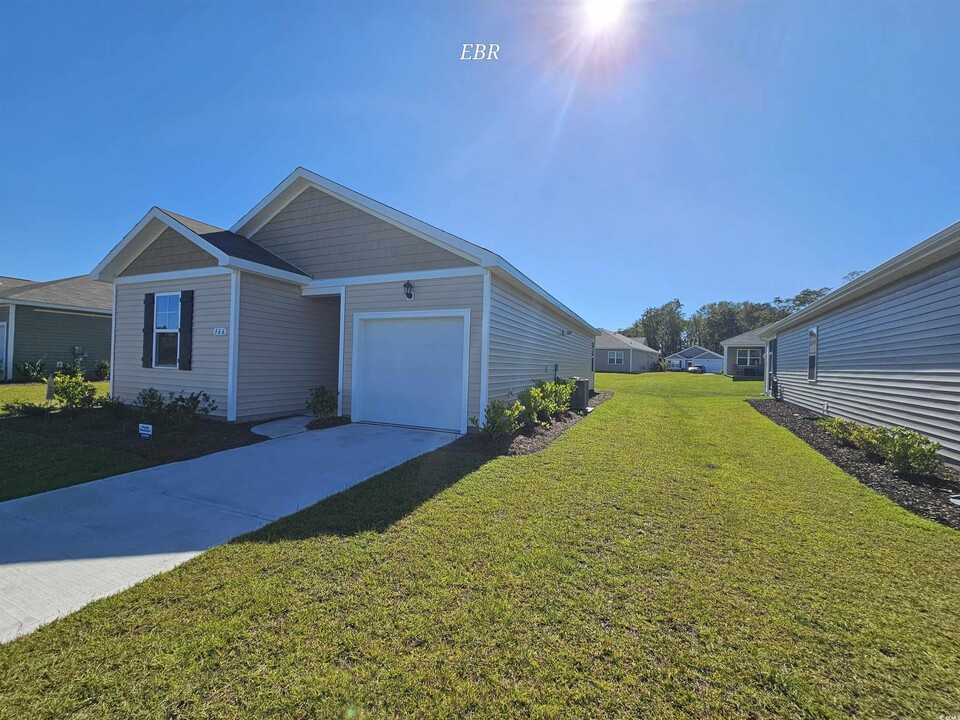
column 700, row 150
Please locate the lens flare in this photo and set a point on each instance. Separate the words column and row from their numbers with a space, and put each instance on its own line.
column 602, row 15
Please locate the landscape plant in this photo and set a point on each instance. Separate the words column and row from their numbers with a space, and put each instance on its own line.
column 33, row 371
column 73, row 392
column 904, row 451
column 182, row 410
column 150, row 403
column 101, row 370
column 321, row 402
column 500, row 419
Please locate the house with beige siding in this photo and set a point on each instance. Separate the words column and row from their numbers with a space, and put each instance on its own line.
column 57, row 322
column 744, row 354
column 619, row 353
column 884, row 349
column 318, row 285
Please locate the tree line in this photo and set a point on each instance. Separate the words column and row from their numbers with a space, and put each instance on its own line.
column 667, row 329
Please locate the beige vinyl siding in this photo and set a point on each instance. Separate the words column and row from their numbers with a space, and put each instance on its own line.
column 642, row 361
column 170, row 251
column 53, row 335
column 890, row 358
column 733, row 369
column 211, row 309
column 460, row 293
column 329, row 238
column 287, row 344
column 526, row 339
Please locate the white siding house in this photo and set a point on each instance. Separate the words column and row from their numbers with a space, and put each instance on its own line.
column 883, row 349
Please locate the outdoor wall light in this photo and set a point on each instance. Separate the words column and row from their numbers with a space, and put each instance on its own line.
column 408, row 290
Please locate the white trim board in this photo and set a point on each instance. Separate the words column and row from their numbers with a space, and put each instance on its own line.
column 172, row 275
column 113, row 339
column 233, row 351
column 343, row 316
column 11, row 329
column 485, row 347
column 3, row 333
column 359, row 318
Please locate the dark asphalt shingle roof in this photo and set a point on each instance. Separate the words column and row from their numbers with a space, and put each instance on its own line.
column 751, row 337
column 607, row 340
column 80, row 292
column 235, row 245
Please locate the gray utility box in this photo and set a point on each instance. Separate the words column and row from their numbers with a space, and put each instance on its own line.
column 581, row 394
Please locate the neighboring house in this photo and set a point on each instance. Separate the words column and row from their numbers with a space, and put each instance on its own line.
column 743, row 355
column 884, row 349
column 697, row 356
column 619, row 353
column 58, row 321
column 320, row 285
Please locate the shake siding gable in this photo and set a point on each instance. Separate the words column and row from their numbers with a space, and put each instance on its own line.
column 329, row 238
column 459, row 293
column 287, row 344
column 211, row 309
column 890, row 358
column 527, row 338
column 170, row 251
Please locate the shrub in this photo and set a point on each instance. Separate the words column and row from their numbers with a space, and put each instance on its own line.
column 26, row 409
column 74, row 368
column 500, row 419
column 73, row 392
column 872, row 440
column 112, row 404
column 185, row 410
column 101, row 371
column 321, row 402
column 840, row 429
column 536, row 407
column 150, row 403
column 33, row 371
column 907, row 452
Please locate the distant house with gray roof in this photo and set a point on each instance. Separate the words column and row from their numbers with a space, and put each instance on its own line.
column 59, row 321
column 619, row 353
column 744, row 355
column 696, row 356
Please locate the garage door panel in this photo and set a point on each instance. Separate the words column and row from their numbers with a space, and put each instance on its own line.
column 410, row 371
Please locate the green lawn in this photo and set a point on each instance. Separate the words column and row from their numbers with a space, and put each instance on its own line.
column 35, row 392
column 674, row 555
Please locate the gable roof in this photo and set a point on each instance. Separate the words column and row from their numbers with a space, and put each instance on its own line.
column 694, row 352
column 236, row 246
column 8, row 283
column 301, row 179
column 230, row 250
column 607, row 340
column 81, row 292
column 933, row 250
column 751, row 337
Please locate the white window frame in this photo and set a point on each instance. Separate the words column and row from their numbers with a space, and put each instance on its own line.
column 751, row 353
column 813, row 341
column 153, row 359
column 614, row 357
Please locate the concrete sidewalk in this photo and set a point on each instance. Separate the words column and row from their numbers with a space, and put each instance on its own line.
column 63, row 549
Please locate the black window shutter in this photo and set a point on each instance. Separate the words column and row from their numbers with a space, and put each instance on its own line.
column 186, row 329
column 148, row 301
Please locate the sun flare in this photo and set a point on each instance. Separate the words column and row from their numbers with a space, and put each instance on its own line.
column 602, row 15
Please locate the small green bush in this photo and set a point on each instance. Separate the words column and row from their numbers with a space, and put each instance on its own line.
column 500, row 419
column 840, row 429
column 74, row 368
column 112, row 404
column 101, row 370
column 907, row 452
column 73, row 392
column 536, row 407
column 872, row 440
column 185, row 410
column 26, row 409
column 33, row 371
column 150, row 403
column 321, row 402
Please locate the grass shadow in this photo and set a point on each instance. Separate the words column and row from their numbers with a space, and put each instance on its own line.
column 375, row 504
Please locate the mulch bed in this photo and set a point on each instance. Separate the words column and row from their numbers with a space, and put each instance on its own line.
column 100, row 428
column 524, row 441
column 924, row 496
column 328, row 422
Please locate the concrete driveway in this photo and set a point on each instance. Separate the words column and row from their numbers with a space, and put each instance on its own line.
column 63, row 549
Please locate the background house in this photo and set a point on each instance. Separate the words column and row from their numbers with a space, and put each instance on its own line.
column 744, row 355
column 619, row 353
column 320, row 285
column 884, row 349
column 698, row 356
column 58, row 321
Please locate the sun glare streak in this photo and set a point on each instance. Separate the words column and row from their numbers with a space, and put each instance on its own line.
column 602, row 15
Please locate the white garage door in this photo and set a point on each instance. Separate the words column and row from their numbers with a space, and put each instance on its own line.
column 710, row 365
column 411, row 371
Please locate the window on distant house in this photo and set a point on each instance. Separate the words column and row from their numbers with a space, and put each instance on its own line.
column 615, row 357
column 166, row 330
column 748, row 357
column 812, row 340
